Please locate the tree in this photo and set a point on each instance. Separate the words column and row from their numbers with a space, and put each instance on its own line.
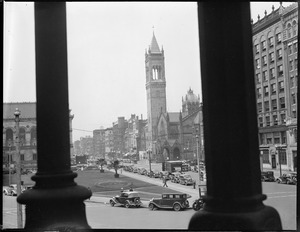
column 116, row 166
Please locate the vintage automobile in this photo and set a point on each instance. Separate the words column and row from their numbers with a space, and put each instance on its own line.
column 127, row 198
column 12, row 190
column 267, row 176
column 186, row 179
column 287, row 178
column 175, row 177
column 175, row 201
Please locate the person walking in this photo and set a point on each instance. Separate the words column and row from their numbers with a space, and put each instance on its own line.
column 165, row 181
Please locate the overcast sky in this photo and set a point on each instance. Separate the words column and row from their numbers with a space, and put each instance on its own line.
column 106, row 56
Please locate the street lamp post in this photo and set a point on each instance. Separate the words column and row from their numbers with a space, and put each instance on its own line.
column 279, row 148
column 9, row 163
column 18, row 162
column 149, row 151
column 198, row 161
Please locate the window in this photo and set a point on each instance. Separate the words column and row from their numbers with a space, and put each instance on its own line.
column 256, row 48
column 290, row 49
column 293, row 98
column 273, row 89
column 272, row 73
column 266, row 91
column 282, row 102
column 258, row 78
column 263, row 45
column 267, row 121
column 294, row 113
column 275, row 119
column 264, row 60
column 296, row 47
column 260, row 122
column 281, row 86
column 259, row 107
column 282, row 118
column 257, row 63
column 274, row 104
column 283, row 137
column 280, row 70
column 276, row 137
column 265, row 75
column 292, row 81
column 296, row 62
column 267, row 107
column 291, row 65
column 269, row 138
column 294, row 28
column 289, row 30
column 278, row 38
column 279, row 54
column 295, row 135
column 259, row 93
column 271, row 42
column 272, row 57
column 282, row 156
column 265, row 157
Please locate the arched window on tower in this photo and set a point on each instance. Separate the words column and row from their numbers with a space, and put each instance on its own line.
column 33, row 136
column 294, row 28
column 289, row 30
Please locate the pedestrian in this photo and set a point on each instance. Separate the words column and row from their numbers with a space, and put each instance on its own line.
column 165, row 182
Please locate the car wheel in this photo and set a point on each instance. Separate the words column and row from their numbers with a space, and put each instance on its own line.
column 176, row 207
column 127, row 205
column 138, row 206
column 278, row 181
column 151, row 206
column 112, row 203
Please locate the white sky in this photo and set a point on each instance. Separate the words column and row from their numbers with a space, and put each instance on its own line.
column 106, row 56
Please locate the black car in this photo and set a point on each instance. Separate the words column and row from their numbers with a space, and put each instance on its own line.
column 287, row 178
column 267, row 176
column 175, row 201
column 128, row 198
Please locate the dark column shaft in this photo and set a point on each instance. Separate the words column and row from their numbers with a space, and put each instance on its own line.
column 230, row 123
column 56, row 201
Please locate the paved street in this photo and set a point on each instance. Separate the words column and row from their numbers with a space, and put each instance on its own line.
column 101, row 215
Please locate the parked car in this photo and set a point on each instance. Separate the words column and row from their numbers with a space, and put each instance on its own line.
column 185, row 179
column 165, row 174
column 12, row 190
column 175, row 177
column 127, row 198
column 267, row 176
column 135, row 170
column 287, row 178
column 142, row 171
column 155, row 174
column 175, row 201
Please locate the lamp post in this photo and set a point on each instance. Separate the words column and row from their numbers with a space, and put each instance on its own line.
column 279, row 148
column 198, row 161
column 18, row 162
column 9, row 163
column 149, row 153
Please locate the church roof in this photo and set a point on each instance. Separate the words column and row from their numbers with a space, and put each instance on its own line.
column 27, row 109
column 154, row 48
column 174, row 117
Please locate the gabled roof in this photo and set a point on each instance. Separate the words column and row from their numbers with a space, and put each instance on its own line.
column 27, row 109
column 174, row 117
column 154, row 48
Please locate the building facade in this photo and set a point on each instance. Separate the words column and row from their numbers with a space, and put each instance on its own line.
column 275, row 47
column 27, row 134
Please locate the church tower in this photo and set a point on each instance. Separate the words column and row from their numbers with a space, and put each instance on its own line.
column 155, row 87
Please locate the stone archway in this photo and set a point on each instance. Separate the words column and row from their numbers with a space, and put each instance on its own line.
column 166, row 154
column 176, row 154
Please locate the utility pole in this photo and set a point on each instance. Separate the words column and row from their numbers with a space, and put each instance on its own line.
column 18, row 162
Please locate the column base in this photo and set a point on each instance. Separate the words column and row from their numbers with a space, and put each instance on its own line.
column 266, row 219
column 60, row 209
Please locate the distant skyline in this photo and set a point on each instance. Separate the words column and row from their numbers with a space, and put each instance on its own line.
column 106, row 56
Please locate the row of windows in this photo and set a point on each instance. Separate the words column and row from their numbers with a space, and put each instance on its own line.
column 263, row 45
column 272, row 138
column 291, row 29
column 282, row 157
column 266, row 121
column 274, row 105
column 264, row 76
column 293, row 48
column 266, row 91
column 264, row 59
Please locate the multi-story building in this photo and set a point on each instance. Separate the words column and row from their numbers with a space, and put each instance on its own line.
column 119, row 128
column 108, row 140
column 27, row 134
column 275, row 59
column 86, row 144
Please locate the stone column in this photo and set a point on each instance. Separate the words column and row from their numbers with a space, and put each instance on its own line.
column 234, row 198
column 56, row 201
